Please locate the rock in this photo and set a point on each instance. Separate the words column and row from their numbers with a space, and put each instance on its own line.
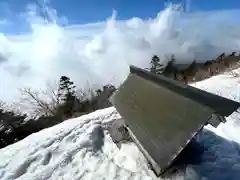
column 119, row 132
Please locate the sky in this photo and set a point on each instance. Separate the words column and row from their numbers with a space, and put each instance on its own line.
column 90, row 11
column 94, row 41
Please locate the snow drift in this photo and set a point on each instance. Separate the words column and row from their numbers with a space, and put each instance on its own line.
column 81, row 148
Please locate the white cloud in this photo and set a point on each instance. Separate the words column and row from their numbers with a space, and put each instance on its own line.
column 102, row 51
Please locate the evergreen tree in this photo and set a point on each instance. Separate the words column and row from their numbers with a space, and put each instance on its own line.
column 66, row 88
column 67, row 95
column 156, row 67
column 170, row 68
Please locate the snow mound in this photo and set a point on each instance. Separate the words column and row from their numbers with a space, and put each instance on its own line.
column 81, row 148
column 75, row 149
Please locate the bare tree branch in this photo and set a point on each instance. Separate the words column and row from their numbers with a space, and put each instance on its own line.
column 39, row 105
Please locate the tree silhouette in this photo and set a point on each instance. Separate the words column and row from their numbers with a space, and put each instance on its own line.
column 67, row 95
column 156, row 67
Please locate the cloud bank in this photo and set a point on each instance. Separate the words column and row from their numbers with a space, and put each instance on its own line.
column 101, row 52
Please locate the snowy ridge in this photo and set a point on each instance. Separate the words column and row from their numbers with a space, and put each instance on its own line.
column 75, row 149
column 81, row 148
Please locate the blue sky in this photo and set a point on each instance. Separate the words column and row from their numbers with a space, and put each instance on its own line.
column 92, row 10
column 88, row 11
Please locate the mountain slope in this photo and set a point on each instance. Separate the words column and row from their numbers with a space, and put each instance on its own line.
column 81, row 148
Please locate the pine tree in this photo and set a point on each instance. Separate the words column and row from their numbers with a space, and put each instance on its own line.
column 170, row 68
column 66, row 88
column 67, row 95
column 156, row 67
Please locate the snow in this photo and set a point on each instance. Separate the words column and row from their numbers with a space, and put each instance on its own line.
column 81, row 148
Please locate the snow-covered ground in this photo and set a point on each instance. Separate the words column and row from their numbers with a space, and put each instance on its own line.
column 82, row 148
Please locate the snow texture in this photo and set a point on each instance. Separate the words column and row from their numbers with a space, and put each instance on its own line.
column 81, row 148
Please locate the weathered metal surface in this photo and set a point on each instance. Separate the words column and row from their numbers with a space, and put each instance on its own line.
column 161, row 117
column 161, row 120
column 220, row 105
